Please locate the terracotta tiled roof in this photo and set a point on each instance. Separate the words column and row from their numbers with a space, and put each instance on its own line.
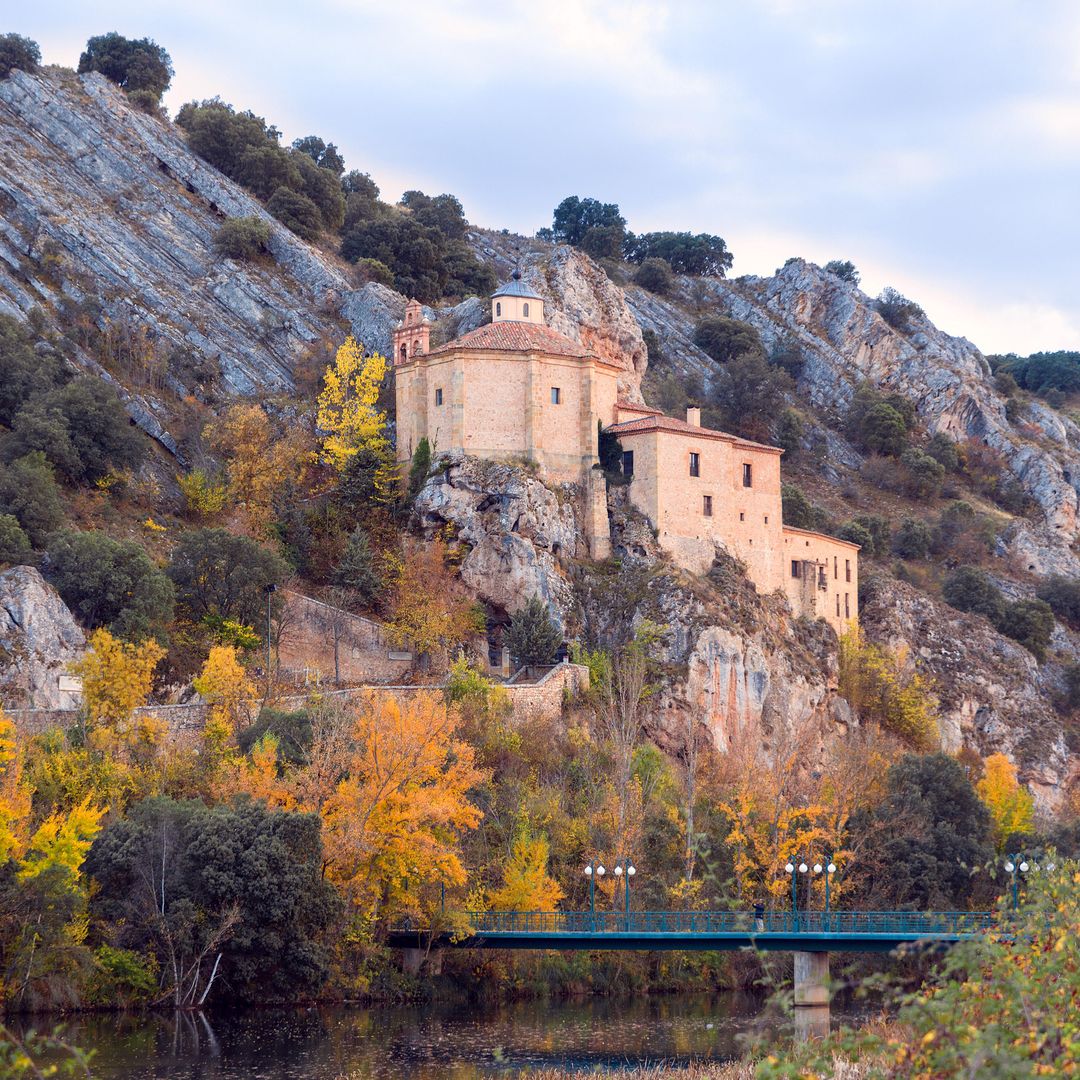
column 820, row 536
column 632, row 406
column 509, row 336
column 669, row 423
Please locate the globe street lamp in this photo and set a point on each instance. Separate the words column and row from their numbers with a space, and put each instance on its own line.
column 625, row 870
column 1017, row 865
column 592, row 872
column 828, row 870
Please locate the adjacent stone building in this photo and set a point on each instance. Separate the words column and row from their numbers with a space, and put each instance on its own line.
column 517, row 390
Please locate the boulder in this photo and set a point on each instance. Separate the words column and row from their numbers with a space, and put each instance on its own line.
column 39, row 639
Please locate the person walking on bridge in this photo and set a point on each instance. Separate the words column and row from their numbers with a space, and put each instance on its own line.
column 759, row 917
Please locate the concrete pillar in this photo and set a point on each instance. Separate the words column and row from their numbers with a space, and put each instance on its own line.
column 812, row 978
column 812, row 1022
column 597, row 523
column 505, row 663
column 411, row 959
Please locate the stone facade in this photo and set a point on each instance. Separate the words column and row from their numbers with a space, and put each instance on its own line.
column 312, row 632
column 517, row 390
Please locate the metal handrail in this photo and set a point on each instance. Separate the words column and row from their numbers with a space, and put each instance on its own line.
column 898, row 923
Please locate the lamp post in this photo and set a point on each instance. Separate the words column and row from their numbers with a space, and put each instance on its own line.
column 790, row 868
column 625, row 870
column 1017, row 865
column 828, row 870
column 270, row 590
column 592, row 872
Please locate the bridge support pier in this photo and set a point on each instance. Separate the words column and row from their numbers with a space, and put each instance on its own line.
column 412, row 960
column 811, row 978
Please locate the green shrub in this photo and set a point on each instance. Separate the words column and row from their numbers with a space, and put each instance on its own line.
column 296, row 212
column 789, row 433
column 654, row 275
column 1030, row 622
column 798, row 511
column 943, row 450
column 912, row 540
column 373, row 270
column 970, row 589
column 18, row 53
column 15, row 547
column 29, row 493
column 855, row 533
column 723, row 339
column 219, row 574
column 82, row 428
column 897, row 310
column 844, row 270
column 110, row 583
column 292, row 730
column 883, row 430
column 750, row 395
column 122, row 978
column 700, row 254
column 925, row 474
column 879, row 531
column 133, row 65
column 1063, row 596
column 242, row 238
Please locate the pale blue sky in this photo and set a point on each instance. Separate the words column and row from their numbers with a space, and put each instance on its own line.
column 936, row 143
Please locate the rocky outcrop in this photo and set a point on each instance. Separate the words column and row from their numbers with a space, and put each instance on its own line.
column 994, row 697
column 844, row 341
column 39, row 638
column 515, row 530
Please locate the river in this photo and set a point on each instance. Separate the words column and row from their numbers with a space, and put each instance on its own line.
column 423, row 1042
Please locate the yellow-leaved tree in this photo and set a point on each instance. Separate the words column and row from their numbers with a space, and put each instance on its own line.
column 348, row 415
column 117, row 677
column 393, row 823
column 527, row 885
column 883, row 687
column 224, row 684
column 261, row 461
column 1009, row 802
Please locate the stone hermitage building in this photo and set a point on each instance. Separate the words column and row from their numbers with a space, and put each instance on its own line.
column 515, row 389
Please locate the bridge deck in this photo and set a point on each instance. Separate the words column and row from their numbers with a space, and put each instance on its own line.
column 816, row 931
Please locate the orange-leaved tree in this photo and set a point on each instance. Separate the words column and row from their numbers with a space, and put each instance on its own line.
column 261, row 461
column 527, row 885
column 1009, row 802
column 394, row 822
column 430, row 611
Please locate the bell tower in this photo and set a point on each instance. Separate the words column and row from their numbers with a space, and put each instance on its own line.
column 412, row 336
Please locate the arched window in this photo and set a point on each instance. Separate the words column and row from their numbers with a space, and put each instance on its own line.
column 416, row 348
column 404, row 351
column 408, row 316
column 498, row 309
column 525, row 310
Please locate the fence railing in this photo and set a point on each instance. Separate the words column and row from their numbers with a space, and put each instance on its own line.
column 928, row 923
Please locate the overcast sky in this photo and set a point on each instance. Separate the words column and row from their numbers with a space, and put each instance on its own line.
column 936, row 143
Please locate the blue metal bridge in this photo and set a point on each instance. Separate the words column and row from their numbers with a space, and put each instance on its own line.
column 705, row 931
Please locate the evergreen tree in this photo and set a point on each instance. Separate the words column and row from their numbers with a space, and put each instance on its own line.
column 357, row 570
column 533, row 637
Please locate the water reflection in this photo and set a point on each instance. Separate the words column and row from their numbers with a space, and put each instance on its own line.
column 433, row 1042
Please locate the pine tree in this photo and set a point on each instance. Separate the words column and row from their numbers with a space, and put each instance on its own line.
column 534, row 638
column 357, row 570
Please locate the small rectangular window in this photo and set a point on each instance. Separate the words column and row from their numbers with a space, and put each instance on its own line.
column 847, row 569
column 556, row 395
column 795, row 568
column 742, row 516
column 836, row 574
column 838, row 605
column 847, row 607
column 707, row 505
column 695, row 464
column 747, row 475
column 628, row 463
column 438, row 395
column 766, row 519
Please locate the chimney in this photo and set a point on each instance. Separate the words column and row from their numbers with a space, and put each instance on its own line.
column 693, row 415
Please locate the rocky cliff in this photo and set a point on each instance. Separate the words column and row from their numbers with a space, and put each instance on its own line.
column 103, row 208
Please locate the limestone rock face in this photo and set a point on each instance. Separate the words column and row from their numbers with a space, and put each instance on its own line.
column 845, row 341
column 39, row 638
column 516, row 530
column 994, row 697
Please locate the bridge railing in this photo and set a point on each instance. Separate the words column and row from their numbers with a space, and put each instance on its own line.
column 930, row 923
